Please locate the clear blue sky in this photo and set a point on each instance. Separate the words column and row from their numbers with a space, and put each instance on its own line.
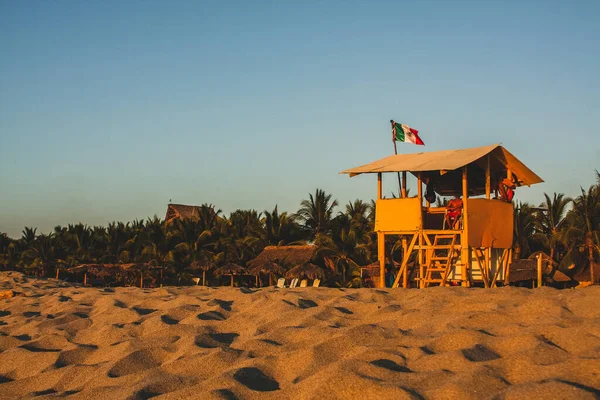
column 109, row 109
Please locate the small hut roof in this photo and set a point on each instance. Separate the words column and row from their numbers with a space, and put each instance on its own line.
column 289, row 255
column 308, row 270
column 181, row 211
column 113, row 267
column 268, row 267
column 583, row 274
column 199, row 265
column 230, row 269
column 437, row 164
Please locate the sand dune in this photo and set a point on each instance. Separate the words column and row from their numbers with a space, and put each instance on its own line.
column 58, row 340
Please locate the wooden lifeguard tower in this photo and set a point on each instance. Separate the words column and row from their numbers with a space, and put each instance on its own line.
column 478, row 248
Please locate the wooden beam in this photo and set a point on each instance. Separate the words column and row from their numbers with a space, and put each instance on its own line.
column 539, row 271
column 464, row 240
column 488, row 184
column 404, row 264
column 379, row 186
column 404, row 251
column 381, row 258
column 421, row 264
column 420, row 189
column 499, row 267
column 403, row 184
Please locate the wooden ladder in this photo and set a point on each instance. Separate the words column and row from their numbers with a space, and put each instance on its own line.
column 440, row 258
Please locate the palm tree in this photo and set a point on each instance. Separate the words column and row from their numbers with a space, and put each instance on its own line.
column 524, row 228
column 583, row 233
column 550, row 218
column 280, row 229
column 316, row 213
column 341, row 252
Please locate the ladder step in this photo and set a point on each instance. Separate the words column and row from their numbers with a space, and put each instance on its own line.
column 433, row 280
column 446, row 236
column 436, row 269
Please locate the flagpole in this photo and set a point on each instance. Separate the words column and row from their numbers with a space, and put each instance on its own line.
column 396, row 153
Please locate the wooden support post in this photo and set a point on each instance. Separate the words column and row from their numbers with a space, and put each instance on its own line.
column 404, row 184
column 420, row 189
column 539, row 271
column 404, row 254
column 381, row 257
column 488, row 262
column 488, row 180
column 379, row 186
column 203, row 278
column 421, row 264
column 506, row 256
column 85, row 279
column 231, row 280
column 464, row 240
column 57, row 272
column 141, row 279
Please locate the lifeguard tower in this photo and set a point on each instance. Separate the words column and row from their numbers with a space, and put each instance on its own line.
column 476, row 249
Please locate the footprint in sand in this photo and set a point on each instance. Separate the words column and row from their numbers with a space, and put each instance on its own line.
column 143, row 311
column 225, row 394
column 214, row 340
column 390, row 365
column 211, row 316
column 30, row 314
column 35, row 348
column 4, row 313
column 62, row 299
column 426, row 350
column 255, row 379
column 479, row 353
column 5, row 379
column 169, row 320
column 303, row 303
column 343, row 310
column 271, row 342
column 23, row 338
column 224, row 304
column 43, row 392
column 120, row 304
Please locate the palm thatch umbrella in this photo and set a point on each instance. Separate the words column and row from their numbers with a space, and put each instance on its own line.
column 196, row 265
column 269, row 268
column 308, row 270
column 230, row 269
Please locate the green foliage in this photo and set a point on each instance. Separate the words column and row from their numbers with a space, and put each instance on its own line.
column 568, row 229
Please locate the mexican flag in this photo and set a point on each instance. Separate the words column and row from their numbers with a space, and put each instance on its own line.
column 404, row 133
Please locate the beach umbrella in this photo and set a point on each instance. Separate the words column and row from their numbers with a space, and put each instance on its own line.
column 197, row 265
column 307, row 270
column 269, row 268
column 230, row 269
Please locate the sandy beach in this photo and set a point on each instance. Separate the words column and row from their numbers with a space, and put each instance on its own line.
column 63, row 340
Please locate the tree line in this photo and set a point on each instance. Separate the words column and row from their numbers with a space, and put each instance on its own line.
column 566, row 228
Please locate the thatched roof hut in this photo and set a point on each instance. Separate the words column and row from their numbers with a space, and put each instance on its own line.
column 231, row 269
column 284, row 255
column 112, row 268
column 181, row 211
column 104, row 270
